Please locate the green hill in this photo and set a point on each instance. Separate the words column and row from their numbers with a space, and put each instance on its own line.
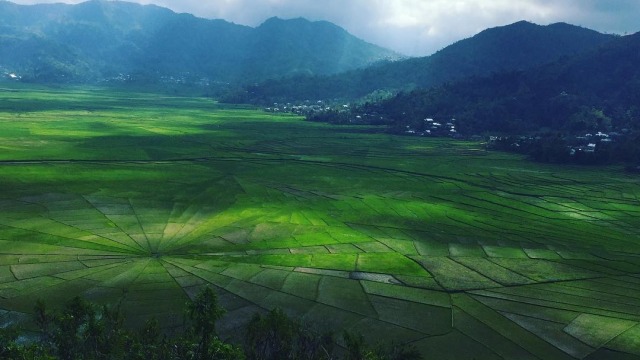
column 107, row 40
column 518, row 46
column 595, row 91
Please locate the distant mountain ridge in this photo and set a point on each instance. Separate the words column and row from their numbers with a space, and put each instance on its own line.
column 518, row 46
column 595, row 91
column 100, row 39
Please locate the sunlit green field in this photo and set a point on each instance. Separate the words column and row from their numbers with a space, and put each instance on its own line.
column 142, row 199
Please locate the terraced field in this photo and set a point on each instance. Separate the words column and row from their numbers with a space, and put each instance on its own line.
column 142, row 200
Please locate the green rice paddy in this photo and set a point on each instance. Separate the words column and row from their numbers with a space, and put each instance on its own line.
column 143, row 199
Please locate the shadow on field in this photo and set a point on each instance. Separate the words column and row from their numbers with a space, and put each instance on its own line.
column 302, row 126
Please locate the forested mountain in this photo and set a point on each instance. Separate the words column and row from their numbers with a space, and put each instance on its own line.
column 583, row 109
column 518, row 46
column 595, row 91
column 99, row 40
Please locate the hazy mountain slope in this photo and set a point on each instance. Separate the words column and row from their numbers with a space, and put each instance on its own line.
column 101, row 39
column 593, row 91
column 517, row 46
column 213, row 48
column 298, row 47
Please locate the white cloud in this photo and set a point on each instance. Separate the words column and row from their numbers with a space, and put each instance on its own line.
column 415, row 27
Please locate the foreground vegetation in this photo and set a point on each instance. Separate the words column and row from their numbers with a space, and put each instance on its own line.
column 83, row 331
column 141, row 201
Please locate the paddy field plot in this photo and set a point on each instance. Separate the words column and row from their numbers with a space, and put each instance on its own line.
column 142, row 199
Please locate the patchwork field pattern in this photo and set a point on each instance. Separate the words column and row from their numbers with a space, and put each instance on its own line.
column 142, row 199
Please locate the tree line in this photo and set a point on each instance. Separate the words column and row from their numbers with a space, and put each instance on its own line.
column 84, row 331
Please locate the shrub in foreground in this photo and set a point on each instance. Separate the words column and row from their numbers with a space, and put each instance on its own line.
column 84, row 331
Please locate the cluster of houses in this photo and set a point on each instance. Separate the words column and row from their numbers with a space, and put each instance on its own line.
column 305, row 108
column 431, row 127
column 183, row 79
column 170, row 79
column 9, row 75
column 588, row 143
column 120, row 78
column 186, row 79
column 575, row 145
column 339, row 112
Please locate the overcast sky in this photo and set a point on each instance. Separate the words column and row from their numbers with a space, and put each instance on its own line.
column 414, row 27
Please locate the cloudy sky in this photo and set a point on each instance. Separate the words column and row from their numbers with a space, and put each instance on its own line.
column 414, row 27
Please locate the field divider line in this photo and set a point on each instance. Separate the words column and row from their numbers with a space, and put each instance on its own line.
column 631, row 286
column 106, row 217
column 579, row 264
column 163, row 262
column 118, row 161
column 584, row 287
column 162, row 240
column 521, row 234
column 559, row 291
column 135, row 213
column 69, row 238
column 470, row 225
column 453, row 258
column 490, row 259
column 557, row 305
column 100, row 236
column 364, row 291
column 14, row 274
column 112, row 265
column 545, row 290
column 117, row 250
column 125, row 294
column 517, row 209
column 205, row 158
column 166, row 243
column 625, row 261
column 510, row 286
column 106, row 268
column 31, row 290
column 444, row 289
column 507, row 329
column 293, row 295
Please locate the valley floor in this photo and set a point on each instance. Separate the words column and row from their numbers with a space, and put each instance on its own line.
column 143, row 200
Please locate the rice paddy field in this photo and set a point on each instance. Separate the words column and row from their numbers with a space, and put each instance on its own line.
column 143, row 199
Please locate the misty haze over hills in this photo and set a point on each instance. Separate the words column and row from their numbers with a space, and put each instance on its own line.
column 99, row 40
column 518, row 46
